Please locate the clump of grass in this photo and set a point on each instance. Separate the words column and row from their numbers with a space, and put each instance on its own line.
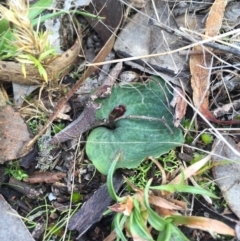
column 14, row 170
column 153, row 213
column 26, row 45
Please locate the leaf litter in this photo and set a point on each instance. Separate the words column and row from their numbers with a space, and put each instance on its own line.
column 163, row 55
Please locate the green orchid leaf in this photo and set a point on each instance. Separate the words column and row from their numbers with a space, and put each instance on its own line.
column 154, row 219
column 173, row 233
column 138, row 227
column 111, row 171
column 166, row 233
column 146, row 131
column 118, row 223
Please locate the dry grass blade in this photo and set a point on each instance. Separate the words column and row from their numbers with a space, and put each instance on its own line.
column 163, row 203
column 191, row 170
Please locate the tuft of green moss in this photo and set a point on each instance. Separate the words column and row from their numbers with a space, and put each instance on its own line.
column 206, row 138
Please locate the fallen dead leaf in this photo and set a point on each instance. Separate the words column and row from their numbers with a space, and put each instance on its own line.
column 215, row 18
column 124, row 207
column 14, row 133
column 180, row 106
column 200, row 65
column 11, row 224
column 152, row 40
column 163, row 203
column 207, row 224
column 226, row 175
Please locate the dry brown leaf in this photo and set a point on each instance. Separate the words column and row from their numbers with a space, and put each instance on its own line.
column 226, row 172
column 123, row 207
column 180, row 203
column 215, row 17
column 11, row 223
column 200, row 74
column 207, row 224
column 140, row 40
column 14, row 134
column 163, row 203
column 166, row 212
column 200, row 64
column 180, row 105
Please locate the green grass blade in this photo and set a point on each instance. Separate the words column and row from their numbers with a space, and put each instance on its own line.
column 38, row 7
column 42, row 72
column 56, row 14
column 46, row 54
column 184, row 188
column 4, row 25
column 89, row 15
column 47, row 16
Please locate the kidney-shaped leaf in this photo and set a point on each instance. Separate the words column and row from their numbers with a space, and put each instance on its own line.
column 139, row 136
